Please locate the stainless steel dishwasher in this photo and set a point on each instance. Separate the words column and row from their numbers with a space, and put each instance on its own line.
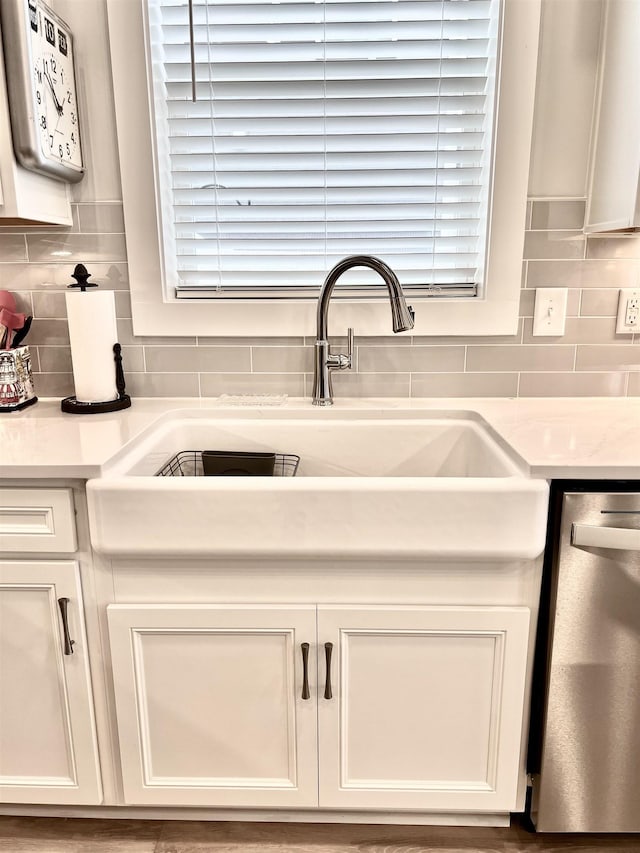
column 586, row 764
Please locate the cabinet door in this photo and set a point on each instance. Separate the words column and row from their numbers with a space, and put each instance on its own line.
column 614, row 192
column 48, row 751
column 427, row 707
column 209, row 704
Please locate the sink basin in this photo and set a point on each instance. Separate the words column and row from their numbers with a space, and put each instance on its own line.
column 389, row 447
column 403, row 485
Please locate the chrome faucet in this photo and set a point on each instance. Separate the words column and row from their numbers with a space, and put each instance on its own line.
column 402, row 317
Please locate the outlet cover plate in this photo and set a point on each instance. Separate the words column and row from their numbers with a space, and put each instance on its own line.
column 628, row 320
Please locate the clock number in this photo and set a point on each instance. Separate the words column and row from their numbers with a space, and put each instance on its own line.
column 50, row 31
column 53, row 66
column 73, row 138
column 68, row 150
column 38, row 97
column 62, row 42
column 50, row 141
column 39, row 75
column 43, row 122
column 69, row 96
column 60, row 149
column 73, row 118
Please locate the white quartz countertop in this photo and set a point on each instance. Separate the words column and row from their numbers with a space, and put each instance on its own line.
column 558, row 438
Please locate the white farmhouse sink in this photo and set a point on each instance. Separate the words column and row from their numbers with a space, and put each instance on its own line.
column 400, row 485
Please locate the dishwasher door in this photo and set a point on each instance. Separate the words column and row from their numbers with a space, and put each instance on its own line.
column 589, row 777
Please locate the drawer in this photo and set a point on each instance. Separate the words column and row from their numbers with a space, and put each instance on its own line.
column 37, row 520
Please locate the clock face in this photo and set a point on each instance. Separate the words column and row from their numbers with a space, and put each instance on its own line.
column 56, row 111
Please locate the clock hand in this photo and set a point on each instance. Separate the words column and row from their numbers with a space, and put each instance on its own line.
column 53, row 92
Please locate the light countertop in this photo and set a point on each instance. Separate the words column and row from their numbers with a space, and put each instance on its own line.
column 558, row 438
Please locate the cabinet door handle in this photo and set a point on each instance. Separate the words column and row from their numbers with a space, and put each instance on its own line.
column 305, row 670
column 63, row 603
column 328, row 649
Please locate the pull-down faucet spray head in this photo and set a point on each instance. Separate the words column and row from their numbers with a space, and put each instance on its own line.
column 402, row 315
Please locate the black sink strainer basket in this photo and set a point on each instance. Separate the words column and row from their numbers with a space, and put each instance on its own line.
column 189, row 463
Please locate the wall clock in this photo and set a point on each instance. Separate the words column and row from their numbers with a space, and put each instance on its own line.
column 41, row 86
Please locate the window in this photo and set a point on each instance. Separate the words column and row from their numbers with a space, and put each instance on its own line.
column 319, row 130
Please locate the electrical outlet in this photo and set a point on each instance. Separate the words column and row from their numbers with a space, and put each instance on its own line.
column 628, row 320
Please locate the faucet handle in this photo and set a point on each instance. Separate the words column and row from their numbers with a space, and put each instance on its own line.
column 342, row 361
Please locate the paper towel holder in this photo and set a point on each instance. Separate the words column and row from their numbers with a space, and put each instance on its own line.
column 72, row 405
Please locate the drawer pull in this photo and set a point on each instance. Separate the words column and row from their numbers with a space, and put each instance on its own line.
column 328, row 649
column 68, row 642
column 305, row 670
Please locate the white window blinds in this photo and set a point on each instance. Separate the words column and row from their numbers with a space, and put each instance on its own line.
column 323, row 128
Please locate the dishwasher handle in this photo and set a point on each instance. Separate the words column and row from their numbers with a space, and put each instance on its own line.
column 592, row 536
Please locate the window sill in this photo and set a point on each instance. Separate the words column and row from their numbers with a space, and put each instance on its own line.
column 248, row 318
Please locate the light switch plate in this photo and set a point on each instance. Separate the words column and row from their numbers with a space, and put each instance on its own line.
column 550, row 312
column 628, row 320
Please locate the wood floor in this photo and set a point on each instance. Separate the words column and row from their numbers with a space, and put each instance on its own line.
column 48, row 835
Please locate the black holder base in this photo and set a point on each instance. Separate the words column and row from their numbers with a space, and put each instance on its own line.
column 74, row 407
column 17, row 406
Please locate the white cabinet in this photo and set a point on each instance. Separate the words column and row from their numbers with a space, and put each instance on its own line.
column 614, row 196
column 422, row 707
column 48, row 751
column 209, row 704
column 427, row 707
column 37, row 520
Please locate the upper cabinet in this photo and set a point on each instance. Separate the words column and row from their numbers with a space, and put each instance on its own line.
column 614, row 201
column 26, row 197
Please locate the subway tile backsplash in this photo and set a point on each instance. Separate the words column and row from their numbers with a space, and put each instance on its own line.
column 589, row 360
column 557, row 215
column 13, row 247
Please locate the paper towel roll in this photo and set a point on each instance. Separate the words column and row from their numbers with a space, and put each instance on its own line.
column 93, row 332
